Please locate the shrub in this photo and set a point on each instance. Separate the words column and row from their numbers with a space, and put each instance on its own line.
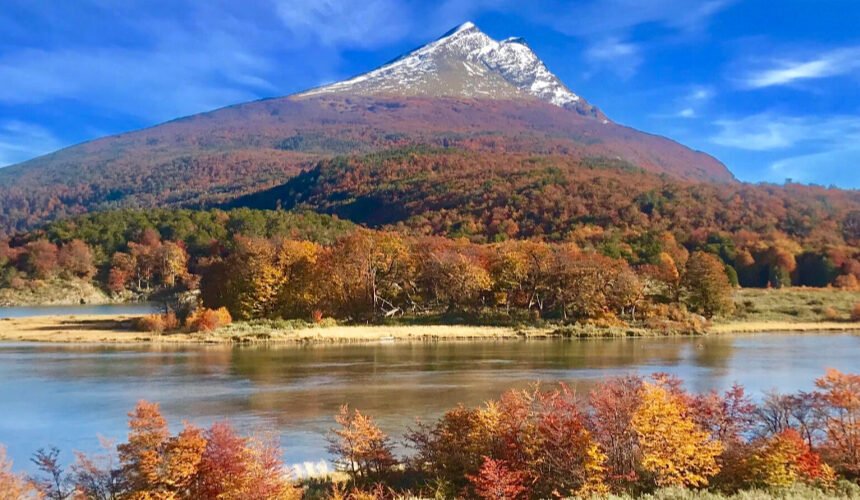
column 158, row 323
column 847, row 282
column 830, row 314
column 206, row 320
column 855, row 313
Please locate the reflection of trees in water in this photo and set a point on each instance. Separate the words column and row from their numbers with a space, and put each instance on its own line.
column 713, row 352
column 395, row 383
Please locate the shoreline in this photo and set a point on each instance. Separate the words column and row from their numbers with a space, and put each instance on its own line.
column 118, row 329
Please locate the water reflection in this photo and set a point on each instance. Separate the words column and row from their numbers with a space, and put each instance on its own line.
column 65, row 395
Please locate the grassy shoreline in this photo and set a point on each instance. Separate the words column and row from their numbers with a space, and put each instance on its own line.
column 110, row 329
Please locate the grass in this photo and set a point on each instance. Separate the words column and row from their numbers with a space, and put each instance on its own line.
column 793, row 305
column 844, row 490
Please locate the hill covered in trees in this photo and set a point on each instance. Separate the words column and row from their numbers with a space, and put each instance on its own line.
column 217, row 156
column 771, row 235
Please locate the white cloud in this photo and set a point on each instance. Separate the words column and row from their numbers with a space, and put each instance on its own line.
column 20, row 141
column 687, row 113
column 620, row 57
column 833, row 63
column 770, row 131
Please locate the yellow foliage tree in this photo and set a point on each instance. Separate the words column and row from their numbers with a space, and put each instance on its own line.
column 674, row 449
column 784, row 459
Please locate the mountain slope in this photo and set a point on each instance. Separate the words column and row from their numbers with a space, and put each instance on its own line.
column 464, row 91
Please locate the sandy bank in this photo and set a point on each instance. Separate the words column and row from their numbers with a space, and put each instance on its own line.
column 784, row 326
column 119, row 329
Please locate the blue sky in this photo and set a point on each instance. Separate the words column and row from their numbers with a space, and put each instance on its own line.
column 769, row 87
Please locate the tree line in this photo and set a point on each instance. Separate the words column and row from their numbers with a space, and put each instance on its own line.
column 627, row 435
column 371, row 275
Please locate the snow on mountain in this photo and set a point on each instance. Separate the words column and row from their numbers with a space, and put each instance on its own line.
column 465, row 62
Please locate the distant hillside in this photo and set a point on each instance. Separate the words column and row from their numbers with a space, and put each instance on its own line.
column 463, row 91
column 485, row 195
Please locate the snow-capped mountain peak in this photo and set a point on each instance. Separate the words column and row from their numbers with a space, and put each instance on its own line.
column 465, row 62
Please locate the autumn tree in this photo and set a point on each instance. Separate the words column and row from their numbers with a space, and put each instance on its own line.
column 234, row 467
column 300, row 293
column 456, row 445
column 41, row 258
column 370, row 274
column 582, row 282
column 12, row 486
column 626, row 292
column 545, row 436
column 675, row 451
column 76, row 259
column 172, row 262
column 154, row 463
column 363, row 450
column 841, row 394
column 496, row 481
column 98, row 476
column 784, row 459
column 614, row 403
column 453, row 273
column 122, row 272
column 851, row 226
column 52, row 481
column 707, row 287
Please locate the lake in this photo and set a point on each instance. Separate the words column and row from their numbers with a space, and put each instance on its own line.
column 104, row 309
column 65, row 395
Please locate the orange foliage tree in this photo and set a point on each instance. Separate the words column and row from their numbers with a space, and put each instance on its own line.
column 234, row 467
column 841, row 393
column 155, row 464
column 363, row 450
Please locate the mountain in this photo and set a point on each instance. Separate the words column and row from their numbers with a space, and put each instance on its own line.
column 462, row 92
column 466, row 62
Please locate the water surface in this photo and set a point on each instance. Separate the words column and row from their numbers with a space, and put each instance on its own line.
column 104, row 309
column 65, row 395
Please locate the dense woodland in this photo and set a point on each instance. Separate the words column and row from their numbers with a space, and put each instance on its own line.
column 628, row 435
column 283, row 264
column 770, row 234
column 274, row 264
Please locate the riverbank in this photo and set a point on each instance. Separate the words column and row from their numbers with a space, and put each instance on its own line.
column 120, row 329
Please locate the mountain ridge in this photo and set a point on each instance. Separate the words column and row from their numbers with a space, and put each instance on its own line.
column 465, row 62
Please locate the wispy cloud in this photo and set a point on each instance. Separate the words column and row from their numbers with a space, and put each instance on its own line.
column 609, row 26
column 20, row 141
column 771, row 131
column 365, row 24
column 838, row 166
column 601, row 17
column 828, row 64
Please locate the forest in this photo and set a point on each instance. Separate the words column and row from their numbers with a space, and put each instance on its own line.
column 630, row 435
column 301, row 265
